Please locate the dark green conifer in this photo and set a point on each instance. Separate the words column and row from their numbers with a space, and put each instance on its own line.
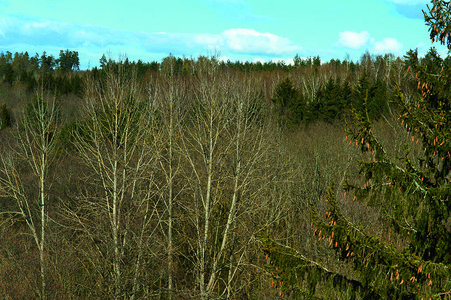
column 288, row 103
column 333, row 101
column 361, row 93
column 346, row 96
column 411, row 192
column 5, row 117
column 377, row 100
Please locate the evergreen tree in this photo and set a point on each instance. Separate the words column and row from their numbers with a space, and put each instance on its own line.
column 9, row 74
column 103, row 61
column 5, row 117
column 34, row 63
column 297, row 109
column 68, row 61
column 333, row 101
column 316, row 61
column 361, row 93
column 370, row 97
column 347, row 96
column 288, row 103
column 377, row 100
column 411, row 193
column 47, row 62
column 314, row 109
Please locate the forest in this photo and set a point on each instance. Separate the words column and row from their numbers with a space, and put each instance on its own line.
column 203, row 179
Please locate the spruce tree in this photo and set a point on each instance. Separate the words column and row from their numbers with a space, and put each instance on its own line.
column 347, row 96
column 377, row 100
column 411, row 192
column 288, row 103
column 5, row 117
column 361, row 93
column 333, row 106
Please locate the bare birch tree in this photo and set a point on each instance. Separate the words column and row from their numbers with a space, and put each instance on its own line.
column 119, row 144
column 224, row 144
column 171, row 97
column 36, row 148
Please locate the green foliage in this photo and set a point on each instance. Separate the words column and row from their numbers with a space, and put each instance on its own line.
column 288, row 103
column 330, row 101
column 333, row 100
column 377, row 100
column 428, row 122
column 437, row 19
column 411, row 192
column 284, row 93
column 5, row 117
column 370, row 98
column 296, row 275
column 346, row 95
column 173, row 66
column 68, row 134
column 47, row 62
column 316, row 61
column 68, row 61
column 9, row 74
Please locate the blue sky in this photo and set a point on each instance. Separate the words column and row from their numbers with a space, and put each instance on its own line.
column 233, row 29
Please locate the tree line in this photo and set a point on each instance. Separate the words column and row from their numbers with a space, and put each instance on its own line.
column 322, row 91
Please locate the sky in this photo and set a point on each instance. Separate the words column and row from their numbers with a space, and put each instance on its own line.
column 251, row 30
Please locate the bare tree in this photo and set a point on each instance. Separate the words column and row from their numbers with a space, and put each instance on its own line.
column 224, row 145
column 36, row 147
column 170, row 94
column 119, row 143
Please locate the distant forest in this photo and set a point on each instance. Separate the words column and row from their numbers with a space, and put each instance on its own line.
column 321, row 91
column 204, row 179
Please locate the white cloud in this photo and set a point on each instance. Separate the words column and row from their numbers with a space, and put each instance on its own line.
column 388, row 45
column 250, row 41
column 356, row 41
column 207, row 39
column 41, row 25
column 241, row 41
column 38, row 33
column 246, row 41
column 353, row 40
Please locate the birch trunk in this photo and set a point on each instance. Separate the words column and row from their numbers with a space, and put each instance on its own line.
column 35, row 137
column 120, row 147
column 223, row 147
